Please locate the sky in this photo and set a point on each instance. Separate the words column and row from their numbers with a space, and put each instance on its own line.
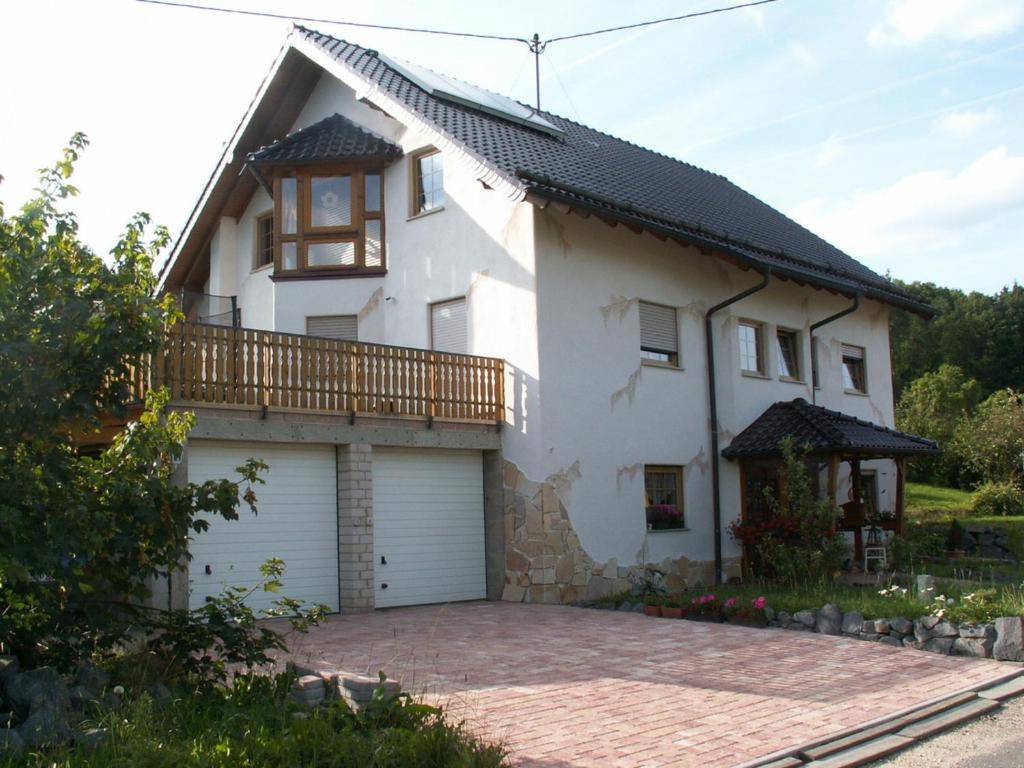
column 892, row 128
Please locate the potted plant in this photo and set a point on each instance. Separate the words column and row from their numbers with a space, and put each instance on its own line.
column 672, row 608
column 736, row 612
column 652, row 604
column 705, row 608
column 662, row 517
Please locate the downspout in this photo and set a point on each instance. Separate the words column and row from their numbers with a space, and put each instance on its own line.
column 716, row 496
column 815, row 326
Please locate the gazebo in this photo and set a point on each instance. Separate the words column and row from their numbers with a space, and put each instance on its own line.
column 829, row 438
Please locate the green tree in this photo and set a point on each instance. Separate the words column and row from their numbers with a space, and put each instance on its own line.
column 932, row 406
column 983, row 335
column 990, row 444
column 79, row 534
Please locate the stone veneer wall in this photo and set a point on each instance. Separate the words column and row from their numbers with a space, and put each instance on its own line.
column 355, row 527
column 545, row 562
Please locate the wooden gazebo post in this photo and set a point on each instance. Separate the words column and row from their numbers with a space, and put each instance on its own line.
column 901, row 472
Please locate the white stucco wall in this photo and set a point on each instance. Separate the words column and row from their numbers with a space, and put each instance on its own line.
column 479, row 246
column 607, row 415
column 556, row 297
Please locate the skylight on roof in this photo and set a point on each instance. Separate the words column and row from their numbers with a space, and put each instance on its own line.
column 444, row 87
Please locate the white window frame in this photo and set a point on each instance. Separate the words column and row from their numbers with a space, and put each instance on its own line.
column 662, row 354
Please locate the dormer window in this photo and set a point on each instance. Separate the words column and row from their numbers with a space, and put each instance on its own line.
column 329, row 220
column 327, row 182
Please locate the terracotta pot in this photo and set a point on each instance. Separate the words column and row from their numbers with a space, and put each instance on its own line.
column 671, row 613
column 652, row 610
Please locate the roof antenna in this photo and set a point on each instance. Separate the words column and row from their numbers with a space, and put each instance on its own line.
column 537, row 48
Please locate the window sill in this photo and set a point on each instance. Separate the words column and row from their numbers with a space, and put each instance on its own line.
column 424, row 214
column 754, row 375
column 262, row 268
column 855, row 392
column 668, row 530
column 660, row 364
column 790, row 380
column 327, row 274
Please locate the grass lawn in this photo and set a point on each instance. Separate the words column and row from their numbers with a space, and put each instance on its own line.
column 922, row 499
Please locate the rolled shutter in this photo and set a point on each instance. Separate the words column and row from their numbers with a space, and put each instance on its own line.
column 449, row 327
column 658, row 328
column 334, row 327
column 854, row 353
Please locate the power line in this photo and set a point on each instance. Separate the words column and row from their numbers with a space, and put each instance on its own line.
column 364, row 25
column 658, row 21
column 535, row 44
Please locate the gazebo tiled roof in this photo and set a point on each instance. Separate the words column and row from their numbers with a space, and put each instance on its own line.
column 823, row 432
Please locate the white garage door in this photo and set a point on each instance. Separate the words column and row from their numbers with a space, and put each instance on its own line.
column 428, row 526
column 297, row 522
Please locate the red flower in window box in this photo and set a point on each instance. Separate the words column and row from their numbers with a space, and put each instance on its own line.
column 662, row 516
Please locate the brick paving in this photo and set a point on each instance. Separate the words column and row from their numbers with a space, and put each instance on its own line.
column 565, row 686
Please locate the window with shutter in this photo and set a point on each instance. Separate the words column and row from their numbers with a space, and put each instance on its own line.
column 854, row 378
column 659, row 333
column 449, row 326
column 345, row 327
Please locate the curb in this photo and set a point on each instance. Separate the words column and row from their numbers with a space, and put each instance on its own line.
column 876, row 739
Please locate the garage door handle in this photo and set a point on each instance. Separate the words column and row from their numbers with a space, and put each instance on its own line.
column 383, row 560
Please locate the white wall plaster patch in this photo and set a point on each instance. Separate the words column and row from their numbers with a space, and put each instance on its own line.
column 628, row 391
column 619, row 307
column 562, row 481
column 478, row 278
column 699, row 461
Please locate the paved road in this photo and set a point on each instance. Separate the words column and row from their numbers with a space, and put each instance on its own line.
column 993, row 741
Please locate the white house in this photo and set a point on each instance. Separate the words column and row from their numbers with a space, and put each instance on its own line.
column 517, row 398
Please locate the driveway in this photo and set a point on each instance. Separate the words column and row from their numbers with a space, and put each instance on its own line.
column 565, row 686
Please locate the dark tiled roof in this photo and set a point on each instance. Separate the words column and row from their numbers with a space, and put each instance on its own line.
column 822, row 431
column 621, row 180
column 333, row 138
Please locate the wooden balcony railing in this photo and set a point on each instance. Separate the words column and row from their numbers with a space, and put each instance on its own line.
column 240, row 366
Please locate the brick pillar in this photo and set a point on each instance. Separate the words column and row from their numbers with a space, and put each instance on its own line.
column 355, row 527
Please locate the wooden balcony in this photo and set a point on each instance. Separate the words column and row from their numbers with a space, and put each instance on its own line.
column 222, row 366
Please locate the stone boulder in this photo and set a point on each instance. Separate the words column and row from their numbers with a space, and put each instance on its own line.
column 309, row 691
column 41, row 684
column 941, row 645
column 969, row 646
column 783, row 618
column 882, row 626
column 92, row 678
column 945, row 629
column 890, row 640
column 807, row 619
column 1009, row 644
column 8, row 668
column 901, row 626
column 853, row 624
column 830, row 620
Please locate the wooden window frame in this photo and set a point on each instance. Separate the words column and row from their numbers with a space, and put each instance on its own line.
column 306, row 234
column 414, row 175
column 862, row 361
column 677, row 473
column 761, row 370
column 258, row 241
column 795, row 347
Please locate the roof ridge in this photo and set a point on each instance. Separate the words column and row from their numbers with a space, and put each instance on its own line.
column 807, row 412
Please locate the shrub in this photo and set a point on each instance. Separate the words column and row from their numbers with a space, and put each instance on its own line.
column 992, row 499
column 991, row 442
column 805, row 549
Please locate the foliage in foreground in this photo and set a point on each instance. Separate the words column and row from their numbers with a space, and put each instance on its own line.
column 84, row 535
column 253, row 724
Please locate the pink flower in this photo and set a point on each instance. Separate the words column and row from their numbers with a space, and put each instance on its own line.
column 731, row 602
column 760, row 602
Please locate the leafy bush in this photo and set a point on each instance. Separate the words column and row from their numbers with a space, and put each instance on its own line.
column 85, row 533
column 253, row 724
column 1004, row 499
column 804, row 549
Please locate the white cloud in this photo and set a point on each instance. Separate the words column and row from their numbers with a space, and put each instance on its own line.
column 914, row 21
column 803, row 55
column 828, row 152
column 921, row 211
column 960, row 125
